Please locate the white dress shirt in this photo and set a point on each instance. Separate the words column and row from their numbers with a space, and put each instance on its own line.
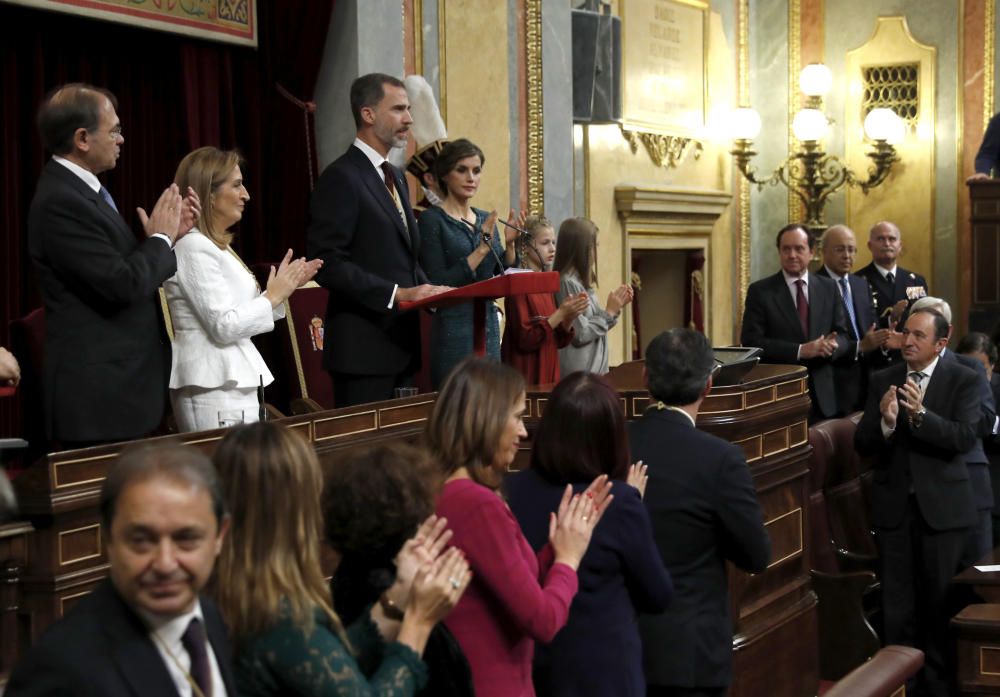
column 166, row 636
column 376, row 160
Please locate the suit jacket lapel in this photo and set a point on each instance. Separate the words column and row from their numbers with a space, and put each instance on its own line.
column 376, row 185
column 859, row 298
column 132, row 649
column 783, row 300
column 107, row 212
column 220, row 645
column 818, row 300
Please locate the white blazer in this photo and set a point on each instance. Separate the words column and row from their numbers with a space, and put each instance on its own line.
column 216, row 306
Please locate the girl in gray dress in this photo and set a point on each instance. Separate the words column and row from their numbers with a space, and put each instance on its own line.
column 576, row 250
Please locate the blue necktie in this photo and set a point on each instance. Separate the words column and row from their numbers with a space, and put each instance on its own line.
column 845, row 295
column 106, row 195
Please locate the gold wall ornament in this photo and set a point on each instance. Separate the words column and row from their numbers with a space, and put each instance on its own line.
column 989, row 41
column 665, row 151
column 536, row 133
column 794, row 68
column 743, row 186
column 809, row 172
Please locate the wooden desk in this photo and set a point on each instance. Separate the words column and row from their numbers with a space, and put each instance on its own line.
column 986, row 584
column 776, row 651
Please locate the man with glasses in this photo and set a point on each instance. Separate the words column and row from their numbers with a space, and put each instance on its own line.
column 107, row 360
column 839, row 247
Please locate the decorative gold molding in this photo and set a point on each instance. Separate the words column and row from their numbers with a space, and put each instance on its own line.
column 418, row 37
column 989, row 47
column 665, row 151
column 533, row 70
column 742, row 185
column 794, row 68
column 442, row 62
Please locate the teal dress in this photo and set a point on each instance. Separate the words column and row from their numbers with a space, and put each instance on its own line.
column 284, row 661
column 444, row 245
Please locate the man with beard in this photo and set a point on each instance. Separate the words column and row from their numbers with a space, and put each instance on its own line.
column 362, row 227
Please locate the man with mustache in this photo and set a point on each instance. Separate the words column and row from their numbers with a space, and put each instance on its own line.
column 362, row 227
column 146, row 630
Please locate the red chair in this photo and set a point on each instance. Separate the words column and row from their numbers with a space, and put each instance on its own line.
column 27, row 343
column 301, row 348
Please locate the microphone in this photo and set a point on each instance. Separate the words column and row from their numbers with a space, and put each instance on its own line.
column 486, row 238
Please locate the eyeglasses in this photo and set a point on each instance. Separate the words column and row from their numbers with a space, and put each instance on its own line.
column 116, row 132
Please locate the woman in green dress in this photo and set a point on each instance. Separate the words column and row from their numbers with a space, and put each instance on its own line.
column 271, row 589
column 460, row 245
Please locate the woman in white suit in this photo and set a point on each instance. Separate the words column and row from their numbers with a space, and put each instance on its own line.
column 215, row 302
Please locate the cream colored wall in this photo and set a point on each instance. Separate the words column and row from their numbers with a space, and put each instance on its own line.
column 609, row 162
column 476, row 82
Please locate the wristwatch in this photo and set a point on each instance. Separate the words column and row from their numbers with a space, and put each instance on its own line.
column 918, row 418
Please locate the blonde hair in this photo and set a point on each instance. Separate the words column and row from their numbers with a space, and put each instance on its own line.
column 469, row 417
column 532, row 224
column 576, row 249
column 269, row 566
column 205, row 170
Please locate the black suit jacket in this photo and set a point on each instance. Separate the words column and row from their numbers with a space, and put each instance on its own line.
column 975, row 459
column 851, row 370
column 102, row 649
column 929, row 460
column 989, row 150
column 771, row 322
column 885, row 295
column 704, row 511
column 107, row 360
column 366, row 248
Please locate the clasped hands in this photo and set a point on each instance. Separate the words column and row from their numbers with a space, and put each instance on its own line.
column 290, row 275
column 908, row 395
column 820, row 347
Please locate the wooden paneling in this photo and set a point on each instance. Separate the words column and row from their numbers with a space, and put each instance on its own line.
column 774, row 612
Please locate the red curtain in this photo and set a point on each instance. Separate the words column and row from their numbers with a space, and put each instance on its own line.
column 174, row 94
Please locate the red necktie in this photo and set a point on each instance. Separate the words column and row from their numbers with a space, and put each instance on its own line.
column 802, row 305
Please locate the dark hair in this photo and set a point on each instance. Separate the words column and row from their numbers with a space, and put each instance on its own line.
column 789, row 228
column 575, row 249
column 678, row 365
column 977, row 342
column 450, row 156
column 368, row 90
column 469, row 417
column 582, row 433
column 173, row 461
column 940, row 323
column 374, row 500
column 68, row 108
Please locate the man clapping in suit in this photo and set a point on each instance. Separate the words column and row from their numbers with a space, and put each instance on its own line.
column 362, row 227
column 107, row 360
column 839, row 247
column 798, row 317
column 704, row 512
column 919, row 422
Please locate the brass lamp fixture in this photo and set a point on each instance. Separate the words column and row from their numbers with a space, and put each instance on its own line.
column 810, row 172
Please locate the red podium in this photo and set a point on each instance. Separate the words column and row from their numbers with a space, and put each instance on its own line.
column 499, row 287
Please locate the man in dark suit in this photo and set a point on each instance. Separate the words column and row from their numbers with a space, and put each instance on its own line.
column 850, row 371
column 797, row 317
column 893, row 288
column 145, row 631
column 704, row 511
column 919, row 422
column 362, row 227
column 988, row 153
column 107, row 360
column 979, row 541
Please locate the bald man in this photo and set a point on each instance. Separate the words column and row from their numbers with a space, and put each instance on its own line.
column 893, row 288
column 839, row 248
